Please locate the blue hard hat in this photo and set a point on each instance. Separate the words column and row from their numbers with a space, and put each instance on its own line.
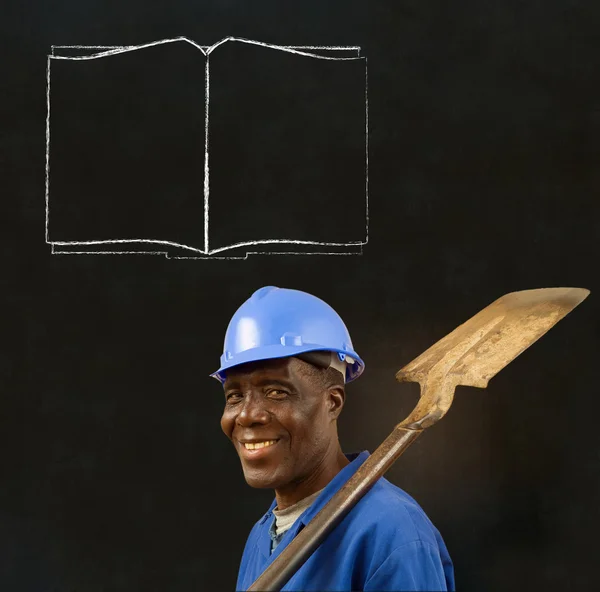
column 278, row 323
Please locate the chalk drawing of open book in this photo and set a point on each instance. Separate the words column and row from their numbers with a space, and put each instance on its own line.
column 193, row 151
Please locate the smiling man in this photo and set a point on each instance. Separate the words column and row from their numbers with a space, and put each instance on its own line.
column 286, row 361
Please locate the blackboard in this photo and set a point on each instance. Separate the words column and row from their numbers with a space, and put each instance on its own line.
column 480, row 123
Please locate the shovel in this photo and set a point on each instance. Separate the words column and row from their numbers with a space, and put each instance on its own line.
column 469, row 356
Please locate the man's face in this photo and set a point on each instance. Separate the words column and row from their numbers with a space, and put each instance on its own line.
column 280, row 420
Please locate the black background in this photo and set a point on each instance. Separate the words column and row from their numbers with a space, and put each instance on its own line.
column 484, row 179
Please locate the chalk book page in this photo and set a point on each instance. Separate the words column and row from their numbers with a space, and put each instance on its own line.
column 206, row 151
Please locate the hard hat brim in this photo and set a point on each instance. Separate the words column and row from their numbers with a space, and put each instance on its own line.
column 272, row 352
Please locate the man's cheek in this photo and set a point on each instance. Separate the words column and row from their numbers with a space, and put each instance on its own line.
column 226, row 425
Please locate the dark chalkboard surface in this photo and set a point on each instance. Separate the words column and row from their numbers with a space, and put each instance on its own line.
column 483, row 152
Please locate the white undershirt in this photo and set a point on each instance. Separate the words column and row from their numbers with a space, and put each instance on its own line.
column 285, row 518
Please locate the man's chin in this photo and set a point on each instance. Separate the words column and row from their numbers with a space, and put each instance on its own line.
column 260, row 480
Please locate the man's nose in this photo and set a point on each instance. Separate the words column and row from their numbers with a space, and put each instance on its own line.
column 253, row 411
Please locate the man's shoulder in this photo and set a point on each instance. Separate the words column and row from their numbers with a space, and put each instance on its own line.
column 388, row 511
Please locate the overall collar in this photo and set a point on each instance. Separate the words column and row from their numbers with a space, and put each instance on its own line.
column 356, row 460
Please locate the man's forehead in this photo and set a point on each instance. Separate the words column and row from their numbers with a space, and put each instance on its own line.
column 277, row 368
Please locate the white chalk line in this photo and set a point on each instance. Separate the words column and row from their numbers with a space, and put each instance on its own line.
column 206, row 169
column 121, row 49
column 205, row 258
column 115, row 253
column 166, row 254
column 278, row 47
column 283, row 241
column 53, row 47
column 344, row 254
column 122, row 241
column 60, row 252
column 203, row 49
column 274, row 241
column 356, row 48
column 366, row 151
column 206, row 251
column 325, row 47
column 47, row 146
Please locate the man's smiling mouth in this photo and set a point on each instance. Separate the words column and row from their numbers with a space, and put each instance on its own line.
column 257, row 445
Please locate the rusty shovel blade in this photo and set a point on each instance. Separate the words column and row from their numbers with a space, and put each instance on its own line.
column 471, row 355
column 478, row 349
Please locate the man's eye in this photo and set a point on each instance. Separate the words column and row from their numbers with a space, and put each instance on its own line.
column 232, row 397
column 278, row 393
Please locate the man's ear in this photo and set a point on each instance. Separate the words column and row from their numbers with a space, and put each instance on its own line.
column 336, row 398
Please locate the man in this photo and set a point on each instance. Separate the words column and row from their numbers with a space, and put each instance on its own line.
column 286, row 360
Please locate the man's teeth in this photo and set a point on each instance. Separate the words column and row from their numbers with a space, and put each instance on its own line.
column 255, row 445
